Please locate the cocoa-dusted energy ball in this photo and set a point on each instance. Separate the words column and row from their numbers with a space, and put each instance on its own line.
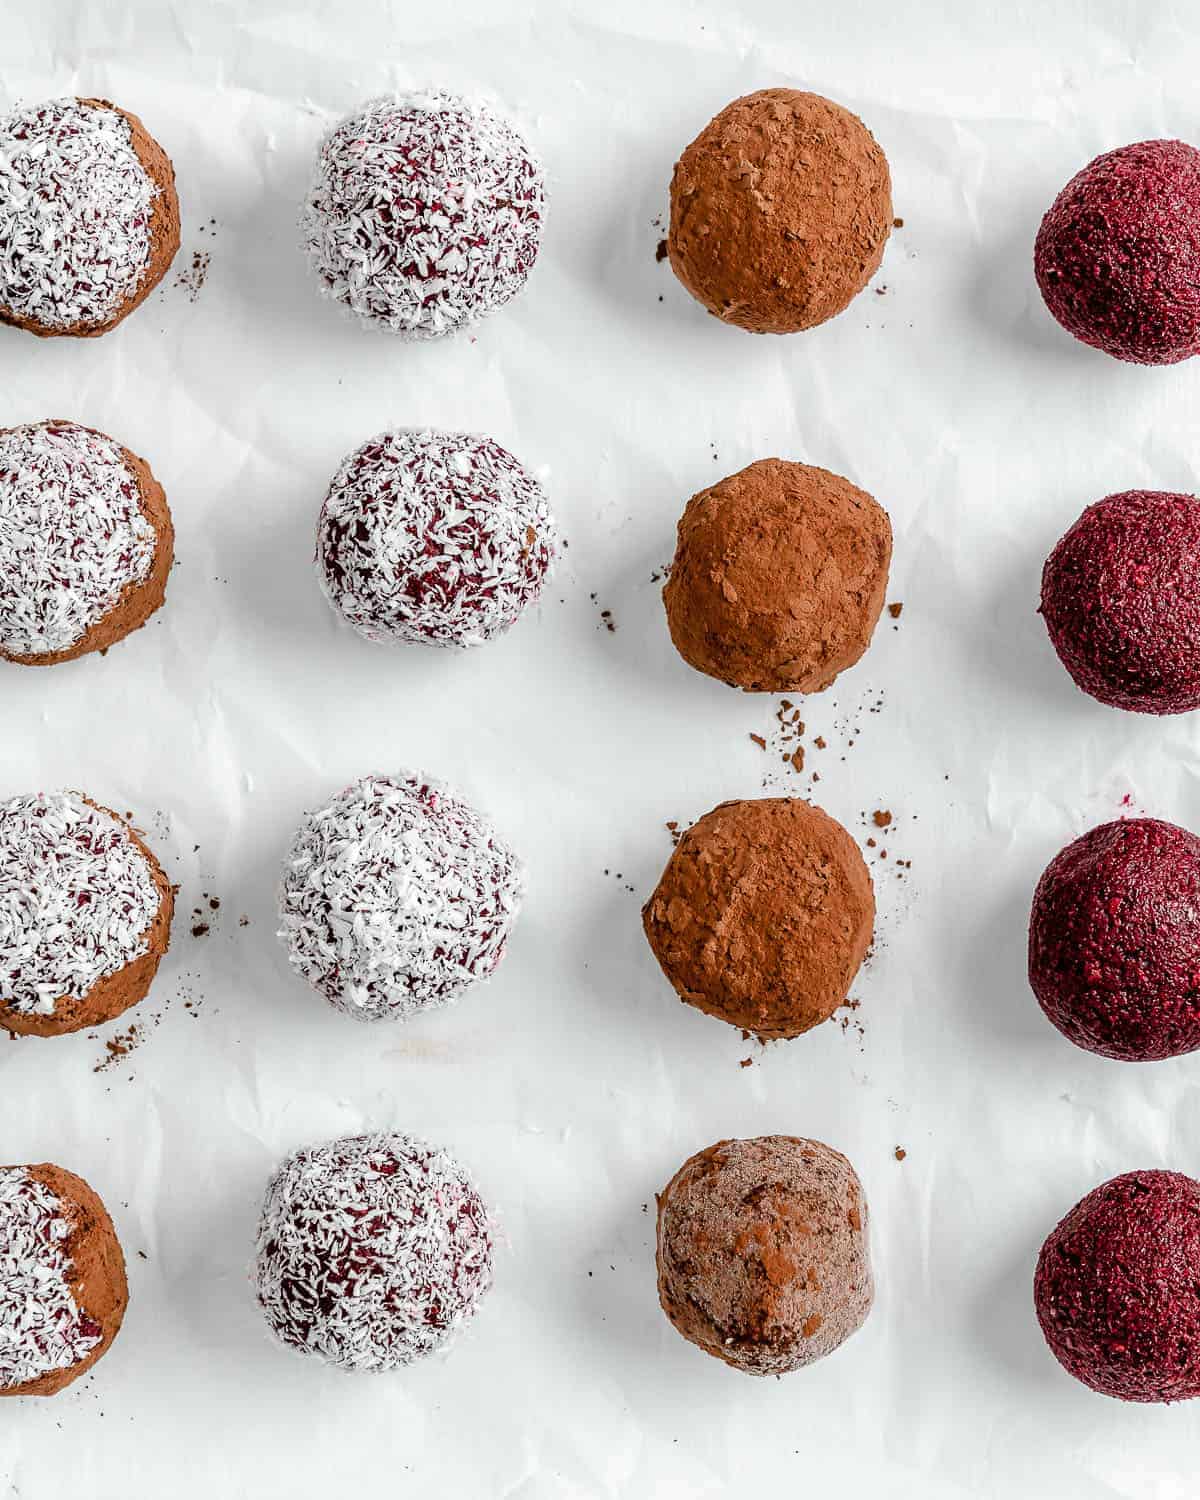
column 89, row 220
column 1115, row 1288
column 433, row 538
column 1114, row 945
column 1117, row 253
column 397, row 897
column 763, row 1255
column 1121, row 600
column 425, row 213
column 85, row 914
column 62, row 1280
column 86, row 542
column 763, row 915
column 779, row 576
column 780, row 210
column 373, row 1251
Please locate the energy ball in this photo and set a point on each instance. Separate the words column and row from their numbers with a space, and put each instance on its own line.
column 373, row 1251
column 1121, row 600
column 1115, row 1288
column 780, row 209
column 85, row 914
column 1114, row 945
column 62, row 1280
column 89, row 220
column 86, row 542
column 425, row 213
column 1115, row 256
column 779, row 577
column 397, row 897
column 763, row 915
column 763, row 1258
column 433, row 538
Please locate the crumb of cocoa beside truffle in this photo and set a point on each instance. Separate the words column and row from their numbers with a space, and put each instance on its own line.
column 660, row 251
column 900, row 1153
column 897, row 223
column 896, row 610
column 881, row 818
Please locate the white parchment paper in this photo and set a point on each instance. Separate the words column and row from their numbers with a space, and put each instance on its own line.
column 575, row 1083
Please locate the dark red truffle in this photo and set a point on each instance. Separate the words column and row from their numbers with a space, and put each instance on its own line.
column 1117, row 256
column 1115, row 1288
column 1114, row 945
column 1121, row 600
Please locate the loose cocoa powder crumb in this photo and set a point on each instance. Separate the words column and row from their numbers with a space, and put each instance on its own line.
column 897, row 223
column 200, row 929
column 660, row 251
column 819, row 742
column 881, row 818
column 193, row 276
column 797, row 759
column 759, row 741
column 900, row 1153
column 243, row 921
column 746, row 1062
column 895, row 610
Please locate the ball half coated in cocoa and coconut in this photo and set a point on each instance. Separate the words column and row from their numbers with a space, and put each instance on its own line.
column 763, row 915
column 763, row 1254
column 779, row 577
column 63, row 1292
column 780, row 211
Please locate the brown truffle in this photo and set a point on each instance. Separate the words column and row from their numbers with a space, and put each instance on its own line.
column 763, row 1257
column 780, row 211
column 763, row 915
column 63, row 1291
column 779, row 577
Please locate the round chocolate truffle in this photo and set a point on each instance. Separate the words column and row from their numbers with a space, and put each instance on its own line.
column 62, row 1280
column 89, row 220
column 1116, row 254
column 425, row 213
column 779, row 576
column 763, row 1258
column 1115, row 1288
column 373, row 1251
column 433, row 538
column 763, row 915
column 86, row 542
column 1114, row 946
column 397, row 897
column 780, row 209
column 85, row 914
column 1121, row 600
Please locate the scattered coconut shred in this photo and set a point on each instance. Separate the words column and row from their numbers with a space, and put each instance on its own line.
column 396, row 897
column 72, row 534
column 433, row 538
column 372, row 1251
column 77, row 898
column 42, row 1328
column 75, row 211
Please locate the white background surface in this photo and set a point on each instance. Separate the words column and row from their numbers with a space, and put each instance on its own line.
column 575, row 1083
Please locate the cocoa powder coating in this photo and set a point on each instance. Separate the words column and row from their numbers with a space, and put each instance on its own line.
column 763, row 1256
column 779, row 577
column 780, row 211
column 763, row 915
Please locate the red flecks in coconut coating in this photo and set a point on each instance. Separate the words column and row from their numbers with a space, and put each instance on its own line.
column 425, row 213
column 433, row 538
column 1121, row 600
column 373, row 1251
column 1117, row 256
column 1115, row 1288
column 1114, row 944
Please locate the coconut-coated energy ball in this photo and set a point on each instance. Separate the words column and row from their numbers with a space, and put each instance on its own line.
column 780, row 211
column 1115, row 1288
column 779, row 577
column 425, row 213
column 433, row 539
column 1117, row 256
column 763, row 1254
column 373, row 1251
column 1114, row 944
column 1121, row 600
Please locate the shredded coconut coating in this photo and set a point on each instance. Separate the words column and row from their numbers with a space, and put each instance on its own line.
column 433, row 538
column 75, row 212
column 73, row 535
column 77, row 898
column 42, row 1327
column 373, row 1251
column 397, row 897
column 425, row 213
